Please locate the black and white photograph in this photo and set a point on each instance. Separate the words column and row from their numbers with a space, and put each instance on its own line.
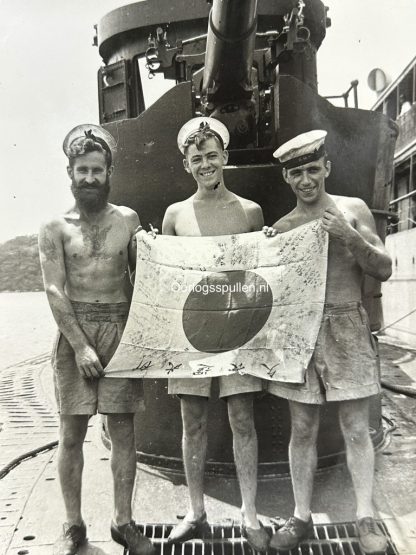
column 207, row 277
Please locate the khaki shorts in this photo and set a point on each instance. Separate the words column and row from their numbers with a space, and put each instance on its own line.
column 344, row 365
column 103, row 324
column 228, row 385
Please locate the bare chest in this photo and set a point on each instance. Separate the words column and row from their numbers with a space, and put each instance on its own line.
column 95, row 242
column 344, row 275
column 208, row 219
column 186, row 224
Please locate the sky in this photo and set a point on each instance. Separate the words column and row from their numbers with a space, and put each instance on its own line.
column 48, row 84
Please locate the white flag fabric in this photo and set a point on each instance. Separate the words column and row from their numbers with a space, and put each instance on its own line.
column 211, row 306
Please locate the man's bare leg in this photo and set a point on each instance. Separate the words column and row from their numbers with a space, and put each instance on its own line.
column 194, row 445
column 303, row 460
column 194, row 411
column 123, row 464
column 73, row 429
column 354, row 421
column 240, row 413
column 303, row 455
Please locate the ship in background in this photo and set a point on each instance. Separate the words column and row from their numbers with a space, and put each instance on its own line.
column 397, row 100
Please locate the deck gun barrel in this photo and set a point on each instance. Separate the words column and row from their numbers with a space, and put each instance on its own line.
column 230, row 47
column 227, row 83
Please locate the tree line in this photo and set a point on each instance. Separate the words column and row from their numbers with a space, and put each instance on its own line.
column 19, row 264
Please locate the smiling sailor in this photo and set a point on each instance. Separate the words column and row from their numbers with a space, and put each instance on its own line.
column 343, row 367
column 214, row 210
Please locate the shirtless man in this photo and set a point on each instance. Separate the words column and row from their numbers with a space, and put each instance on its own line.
column 214, row 210
column 343, row 367
column 85, row 254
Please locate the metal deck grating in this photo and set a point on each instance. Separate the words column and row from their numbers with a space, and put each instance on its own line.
column 327, row 539
column 27, row 419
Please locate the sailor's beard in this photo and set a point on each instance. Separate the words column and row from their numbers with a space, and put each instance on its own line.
column 92, row 197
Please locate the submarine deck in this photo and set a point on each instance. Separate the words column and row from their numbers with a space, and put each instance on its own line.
column 31, row 509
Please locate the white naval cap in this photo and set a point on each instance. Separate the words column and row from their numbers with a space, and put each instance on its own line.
column 194, row 125
column 302, row 149
column 90, row 130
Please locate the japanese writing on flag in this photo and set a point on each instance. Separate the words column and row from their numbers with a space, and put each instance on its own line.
column 211, row 306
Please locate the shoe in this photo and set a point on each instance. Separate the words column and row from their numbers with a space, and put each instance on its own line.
column 278, row 521
column 257, row 538
column 129, row 536
column 291, row 534
column 370, row 537
column 71, row 539
column 190, row 529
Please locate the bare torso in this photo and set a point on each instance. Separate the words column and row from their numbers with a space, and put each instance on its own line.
column 199, row 218
column 96, row 254
column 344, row 275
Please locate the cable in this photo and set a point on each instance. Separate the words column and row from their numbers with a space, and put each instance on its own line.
column 28, row 455
column 403, row 389
column 393, row 323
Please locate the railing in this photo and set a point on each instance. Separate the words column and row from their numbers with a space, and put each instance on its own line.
column 407, row 126
column 404, row 197
column 345, row 96
column 404, row 221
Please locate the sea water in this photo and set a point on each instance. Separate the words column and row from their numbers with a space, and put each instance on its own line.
column 27, row 327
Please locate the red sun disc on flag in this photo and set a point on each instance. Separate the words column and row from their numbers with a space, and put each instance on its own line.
column 225, row 310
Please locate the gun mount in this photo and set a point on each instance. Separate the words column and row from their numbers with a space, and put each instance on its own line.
column 251, row 64
column 231, row 66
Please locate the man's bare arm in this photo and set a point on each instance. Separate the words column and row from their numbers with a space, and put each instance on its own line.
column 255, row 214
column 362, row 241
column 280, row 226
column 133, row 224
column 54, row 277
column 169, row 220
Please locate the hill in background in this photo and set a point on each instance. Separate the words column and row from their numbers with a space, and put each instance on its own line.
column 19, row 265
